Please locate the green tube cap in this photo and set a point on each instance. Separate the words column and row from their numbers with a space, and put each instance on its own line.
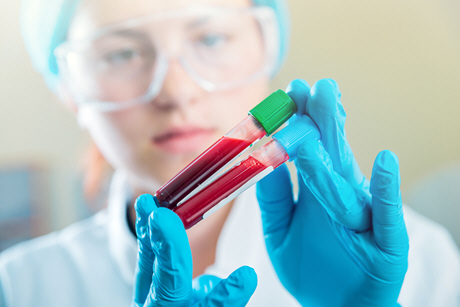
column 274, row 111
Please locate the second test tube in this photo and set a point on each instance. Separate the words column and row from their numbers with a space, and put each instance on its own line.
column 281, row 148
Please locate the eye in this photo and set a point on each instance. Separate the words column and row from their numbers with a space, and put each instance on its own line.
column 121, row 56
column 213, row 40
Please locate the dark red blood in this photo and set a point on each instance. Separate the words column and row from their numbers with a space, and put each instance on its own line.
column 192, row 210
column 199, row 170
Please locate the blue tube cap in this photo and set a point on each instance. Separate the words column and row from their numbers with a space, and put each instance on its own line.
column 297, row 132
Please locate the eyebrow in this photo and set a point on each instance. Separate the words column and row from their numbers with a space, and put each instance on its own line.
column 129, row 33
column 197, row 23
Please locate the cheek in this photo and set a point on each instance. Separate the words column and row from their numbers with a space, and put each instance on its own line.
column 113, row 137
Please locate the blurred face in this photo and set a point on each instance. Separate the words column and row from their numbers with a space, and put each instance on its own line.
column 153, row 141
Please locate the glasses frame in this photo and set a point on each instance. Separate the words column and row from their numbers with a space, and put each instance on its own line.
column 265, row 16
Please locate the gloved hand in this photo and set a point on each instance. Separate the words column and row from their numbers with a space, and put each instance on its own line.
column 341, row 243
column 164, row 266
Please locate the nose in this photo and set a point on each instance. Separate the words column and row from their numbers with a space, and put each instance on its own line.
column 179, row 90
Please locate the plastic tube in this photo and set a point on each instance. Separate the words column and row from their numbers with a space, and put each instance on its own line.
column 263, row 161
column 262, row 120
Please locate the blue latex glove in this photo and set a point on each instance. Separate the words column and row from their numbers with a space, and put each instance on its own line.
column 341, row 243
column 164, row 266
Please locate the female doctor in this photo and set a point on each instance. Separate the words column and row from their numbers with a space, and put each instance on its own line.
column 155, row 83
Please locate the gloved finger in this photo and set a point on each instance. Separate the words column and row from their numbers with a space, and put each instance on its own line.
column 387, row 215
column 172, row 277
column 299, row 91
column 235, row 290
column 326, row 109
column 144, row 206
column 202, row 286
column 333, row 192
column 276, row 202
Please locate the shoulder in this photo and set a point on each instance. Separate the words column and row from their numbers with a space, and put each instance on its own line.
column 57, row 244
column 66, row 267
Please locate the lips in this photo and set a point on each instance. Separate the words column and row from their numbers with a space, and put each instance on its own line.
column 187, row 139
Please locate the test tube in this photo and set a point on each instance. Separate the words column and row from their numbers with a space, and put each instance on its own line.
column 262, row 120
column 281, row 148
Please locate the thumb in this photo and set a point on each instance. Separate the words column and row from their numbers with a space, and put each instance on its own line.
column 274, row 194
column 202, row 286
column 299, row 91
column 171, row 282
column 235, row 290
column 387, row 215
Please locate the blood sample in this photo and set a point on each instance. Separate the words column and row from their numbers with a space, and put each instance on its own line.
column 281, row 148
column 201, row 169
column 262, row 120
column 193, row 209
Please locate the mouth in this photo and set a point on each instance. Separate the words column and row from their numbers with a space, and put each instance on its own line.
column 179, row 140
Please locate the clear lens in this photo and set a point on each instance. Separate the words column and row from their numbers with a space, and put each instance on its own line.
column 126, row 63
column 112, row 69
column 226, row 48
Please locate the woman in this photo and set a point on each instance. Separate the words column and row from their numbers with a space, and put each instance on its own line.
column 155, row 83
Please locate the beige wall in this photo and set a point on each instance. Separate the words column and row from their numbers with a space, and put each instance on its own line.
column 397, row 64
column 34, row 127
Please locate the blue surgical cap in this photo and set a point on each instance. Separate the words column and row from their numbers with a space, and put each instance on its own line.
column 44, row 26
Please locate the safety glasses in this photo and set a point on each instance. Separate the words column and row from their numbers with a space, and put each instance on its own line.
column 125, row 64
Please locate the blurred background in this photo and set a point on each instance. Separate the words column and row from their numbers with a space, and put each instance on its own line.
column 397, row 64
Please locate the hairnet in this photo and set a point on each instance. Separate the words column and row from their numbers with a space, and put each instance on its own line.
column 44, row 26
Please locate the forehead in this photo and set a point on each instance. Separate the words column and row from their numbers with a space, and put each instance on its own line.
column 94, row 14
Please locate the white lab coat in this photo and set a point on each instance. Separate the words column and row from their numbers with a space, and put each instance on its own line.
column 91, row 263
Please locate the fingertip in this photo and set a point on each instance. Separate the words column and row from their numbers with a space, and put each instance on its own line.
column 250, row 274
column 297, row 84
column 163, row 219
column 326, row 100
column 388, row 218
column 244, row 278
column 164, row 227
column 386, row 159
column 385, row 174
column 144, row 208
column 326, row 86
column 235, row 290
column 144, row 204
column 299, row 91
